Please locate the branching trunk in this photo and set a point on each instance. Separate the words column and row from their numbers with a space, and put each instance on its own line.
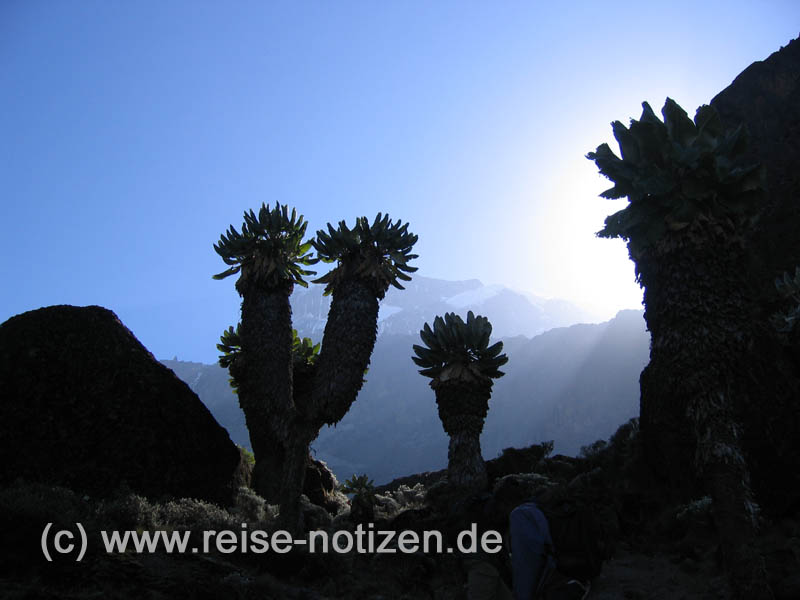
column 282, row 420
column 325, row 396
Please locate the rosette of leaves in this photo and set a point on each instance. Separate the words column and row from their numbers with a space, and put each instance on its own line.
column 679, row 175
column 304, row 360
column 458, row 349
column 269, row 252
column 359, row 485
column 231, row 347
column 461, row 364
column 377, row 253
column 362, row 508
column 304, row 352
column 788, row 288
column 694, row 196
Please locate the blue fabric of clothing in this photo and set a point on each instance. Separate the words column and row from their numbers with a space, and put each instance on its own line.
column 531, row 549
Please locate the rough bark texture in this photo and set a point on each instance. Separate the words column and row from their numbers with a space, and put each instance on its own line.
column 347, row 346
column 321, row 395
column 325, row 394
column 462, row 409
column 699, row 314
column 465, row 465
column 265, row 389
column 293, row 474
column 727, row 481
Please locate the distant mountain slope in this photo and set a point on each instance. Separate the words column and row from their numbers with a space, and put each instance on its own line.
column 403, row 312
column 573, row 385
column 210, row 383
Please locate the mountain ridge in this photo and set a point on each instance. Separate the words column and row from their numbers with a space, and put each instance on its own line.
column 406, row 311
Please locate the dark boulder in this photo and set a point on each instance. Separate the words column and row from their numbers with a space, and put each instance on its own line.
column 86, row 406
column 320, row 485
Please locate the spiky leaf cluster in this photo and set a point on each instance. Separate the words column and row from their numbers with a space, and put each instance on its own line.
column 304, row 351
column 789, row 286
column 360, row 485
column 377, row 253
column 677, row 173
column 230, row 345
column 789, row 289
column 452, row 342
column 269, row 252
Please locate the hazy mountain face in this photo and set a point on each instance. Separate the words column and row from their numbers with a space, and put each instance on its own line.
column 404, row 312
column 572, row 385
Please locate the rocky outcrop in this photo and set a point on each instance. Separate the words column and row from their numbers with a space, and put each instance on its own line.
column 86, row 406
column 320, row 486
column 766, row 97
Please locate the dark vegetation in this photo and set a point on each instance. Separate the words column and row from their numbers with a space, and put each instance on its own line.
column 693, row 199
column 461, row 364
column 286, row 390
column 572, row 385
column 696, row 190
column 706, row 483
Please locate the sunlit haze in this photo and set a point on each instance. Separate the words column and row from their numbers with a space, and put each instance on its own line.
column 132, row 134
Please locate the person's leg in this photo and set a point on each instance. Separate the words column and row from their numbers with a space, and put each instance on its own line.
column 529, row 535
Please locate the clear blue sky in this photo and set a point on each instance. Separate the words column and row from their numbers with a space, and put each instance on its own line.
column 133, row 133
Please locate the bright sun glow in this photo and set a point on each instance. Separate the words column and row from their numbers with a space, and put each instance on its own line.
column 595, row 273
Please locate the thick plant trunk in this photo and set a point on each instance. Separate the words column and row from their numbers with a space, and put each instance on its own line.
column 293, row 476
column 698, row 314
column 269, row 455
column 462, row 409
column 668, row 440
column 465, row 465
column 265, row 387
column 728, row 482
column 347, row 345
column 325, row 394
column 283, row 421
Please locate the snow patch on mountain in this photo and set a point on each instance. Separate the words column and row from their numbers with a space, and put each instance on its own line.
column 474, row 297
column 404, row 312
column 387, row 310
